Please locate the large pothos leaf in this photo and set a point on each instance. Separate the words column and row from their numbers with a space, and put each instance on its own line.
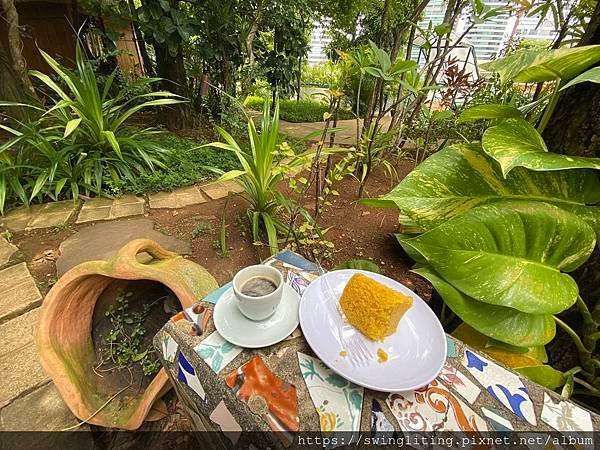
column 532, row 66
column 508, row 355
column 511, row 254
column 460, row 177
column 591, row 76
column 545, row 375
column 499, row 322
column 515, row 143
column 490, row 111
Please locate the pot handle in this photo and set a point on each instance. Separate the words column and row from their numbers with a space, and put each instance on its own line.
column 128, row 253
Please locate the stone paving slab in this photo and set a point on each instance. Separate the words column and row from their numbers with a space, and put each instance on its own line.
column 18, row 332
column 6, row 251
column 102, row 240
column 20, row 369
column 40, row 410
column 101, row 208
column 39, row 216
column 18, row 292
column 219, row 190
column 179, row 198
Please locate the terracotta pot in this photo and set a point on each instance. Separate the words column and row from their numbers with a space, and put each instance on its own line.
column 64, row 329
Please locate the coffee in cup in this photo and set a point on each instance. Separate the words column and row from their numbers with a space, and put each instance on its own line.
column 258, row 290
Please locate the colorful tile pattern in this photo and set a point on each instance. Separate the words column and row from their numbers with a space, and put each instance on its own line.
column 504, row 386
column 565, row 416
column 267, row 396
column 495, row 420
column 380, row 425
column 450, row 347
column 296, row 260
column 297, row 282
column 226, row 422
column 187, row 375
column 434, row 408
column 169, row 347
column 338, row 402
column 459, row 382
column 217, row 352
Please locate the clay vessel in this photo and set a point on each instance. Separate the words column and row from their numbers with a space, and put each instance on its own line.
column 64, row 329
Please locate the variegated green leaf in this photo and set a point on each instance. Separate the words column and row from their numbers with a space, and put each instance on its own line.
column 460, row 177
column 494, row 111
column 511, row 254
column 71, row 126
column 592, row 76
column 503, row 324
column 532, row 66
column 515, row 143
column 547, row 376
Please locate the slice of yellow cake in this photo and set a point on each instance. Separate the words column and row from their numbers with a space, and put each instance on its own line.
column 373, row 308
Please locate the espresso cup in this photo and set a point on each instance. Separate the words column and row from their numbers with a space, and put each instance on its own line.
column 263, row 307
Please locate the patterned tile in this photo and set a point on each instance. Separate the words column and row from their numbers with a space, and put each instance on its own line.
column 565, row 416
column 187, row 375
column 169, row 347
column 495, row 420
column 450, row 347
column 434, row 408
column 310, row 276
column 217, row 352
column 225, row 420
column 215, row 295
column 459, row 382
column 380, row 425
column 296, row 261
column 338, row 402
column 504, row 386
column 200, row 316
column 297, row 282
column 267, row 396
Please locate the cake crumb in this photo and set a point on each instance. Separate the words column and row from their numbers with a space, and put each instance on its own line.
column 343, row 353
column 382, row 355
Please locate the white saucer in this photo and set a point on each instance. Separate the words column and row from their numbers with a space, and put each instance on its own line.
column 243, row 332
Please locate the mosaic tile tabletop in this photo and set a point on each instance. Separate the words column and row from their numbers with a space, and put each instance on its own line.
column 286, row 388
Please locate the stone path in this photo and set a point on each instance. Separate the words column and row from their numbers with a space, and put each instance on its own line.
column 346, row 136
column 57, row 214
column 28, row 398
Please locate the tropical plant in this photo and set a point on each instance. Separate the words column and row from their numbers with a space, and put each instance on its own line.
column 81, row 139
column 488, row 233
column 505, row 221
column 556, row 66
column 263, row 167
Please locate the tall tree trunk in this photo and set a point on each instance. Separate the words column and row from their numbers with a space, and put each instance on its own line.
column 141, row 42
column 15, row 45
column 10, row 86
column 574, row 128
column 172, row 70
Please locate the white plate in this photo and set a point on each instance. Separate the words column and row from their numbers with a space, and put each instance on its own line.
column 417, row 350
column 243, row 332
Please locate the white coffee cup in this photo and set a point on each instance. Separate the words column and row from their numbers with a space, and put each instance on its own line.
column 258, row 308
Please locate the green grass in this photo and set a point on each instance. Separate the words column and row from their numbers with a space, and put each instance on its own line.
column 185, row 166
column 298, row 111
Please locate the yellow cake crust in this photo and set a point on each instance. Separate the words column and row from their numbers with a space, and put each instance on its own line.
column 373, row 308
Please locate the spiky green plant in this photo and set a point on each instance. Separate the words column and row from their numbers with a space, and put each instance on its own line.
column 80, row 138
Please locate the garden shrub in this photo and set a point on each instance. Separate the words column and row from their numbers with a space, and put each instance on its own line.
column 81, row 138
column 186, row 164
